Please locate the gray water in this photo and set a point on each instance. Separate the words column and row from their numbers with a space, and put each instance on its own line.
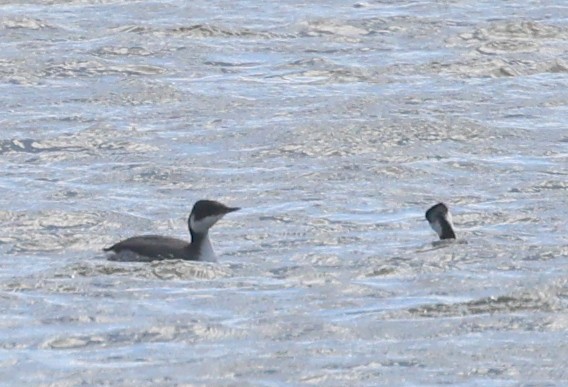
column 335, row 125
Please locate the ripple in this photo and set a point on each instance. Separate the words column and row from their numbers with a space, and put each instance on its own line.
column 541, row 302
column 124, row 51
column 209, row 30
column 163, row 270
column 25, row 23
column 82, row 68
column 336, row 29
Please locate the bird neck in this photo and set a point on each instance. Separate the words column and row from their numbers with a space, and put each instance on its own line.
column 447, row 229
column 201, row 244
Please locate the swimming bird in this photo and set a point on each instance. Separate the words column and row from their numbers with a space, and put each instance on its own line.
column 440, row 220
column 203, row 216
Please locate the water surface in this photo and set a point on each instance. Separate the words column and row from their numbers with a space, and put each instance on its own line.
column 334, row 125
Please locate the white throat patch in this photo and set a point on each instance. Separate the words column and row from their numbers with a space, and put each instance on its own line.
column 202, row 225
column 206, row 254
column 437, row 226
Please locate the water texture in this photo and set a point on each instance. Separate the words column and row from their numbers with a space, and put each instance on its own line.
column 335, row 125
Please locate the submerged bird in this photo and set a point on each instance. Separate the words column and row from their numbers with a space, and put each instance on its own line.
column 440, row 220
column 204, row 215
